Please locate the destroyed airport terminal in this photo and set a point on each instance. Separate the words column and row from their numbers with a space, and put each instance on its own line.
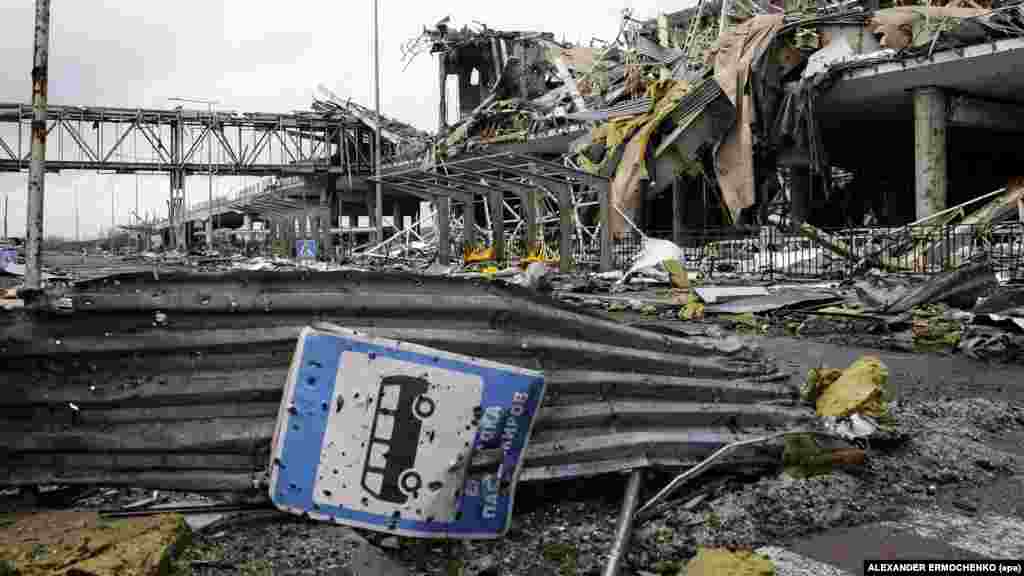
column 759, row 265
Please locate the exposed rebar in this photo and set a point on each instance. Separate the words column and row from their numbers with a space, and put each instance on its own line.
column 624, row 530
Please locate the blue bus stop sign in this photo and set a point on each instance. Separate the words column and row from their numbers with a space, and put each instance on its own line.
column 400, row 438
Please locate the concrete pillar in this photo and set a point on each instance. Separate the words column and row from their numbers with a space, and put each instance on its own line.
column 371, row 210
column 324, row 248
column 443, row 244
column 800, row 194
column 290, row 236
column 930, row 114
column 497, row 225
column 468, row 226
column 396, row 214
column 442, row 109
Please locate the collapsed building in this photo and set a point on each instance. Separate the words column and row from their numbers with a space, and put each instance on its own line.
column 837, row 115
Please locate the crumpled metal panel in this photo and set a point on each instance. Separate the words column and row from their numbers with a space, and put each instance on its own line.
column 106, row 394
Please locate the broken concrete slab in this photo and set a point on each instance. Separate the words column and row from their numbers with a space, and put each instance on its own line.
column 773, row 302
column 716, row 294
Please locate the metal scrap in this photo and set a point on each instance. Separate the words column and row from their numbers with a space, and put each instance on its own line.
column 191, row 405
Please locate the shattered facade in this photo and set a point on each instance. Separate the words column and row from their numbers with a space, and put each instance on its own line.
column 699, row 126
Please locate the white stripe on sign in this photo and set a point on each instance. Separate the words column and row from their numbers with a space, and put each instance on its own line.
column 788, row 563
column 989, row 536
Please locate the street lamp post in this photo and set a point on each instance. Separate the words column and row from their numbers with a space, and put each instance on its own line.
column 378, row 197
column 209, row 162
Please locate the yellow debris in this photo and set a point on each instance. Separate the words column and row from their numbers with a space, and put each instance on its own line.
column 479, row 255
column 818, row 379
column 861, row 388
column 694, row 309
column 83, row 544
column 677, row 274
column 724, row 562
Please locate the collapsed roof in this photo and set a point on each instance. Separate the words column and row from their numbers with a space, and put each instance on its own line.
column 675, row 95
column 405, row 140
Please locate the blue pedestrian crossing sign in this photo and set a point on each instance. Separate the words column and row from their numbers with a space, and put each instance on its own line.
column 401, row 438
column 305, row 248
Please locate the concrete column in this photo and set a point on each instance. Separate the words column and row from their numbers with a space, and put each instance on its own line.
column 497, row 225
column 930, row 114
column 443, row 213
column 468, row 226
column 290, row 236
column 442, row 109
column 325, row 249
column 371, row 210
column 396, row 214
column 800, row 194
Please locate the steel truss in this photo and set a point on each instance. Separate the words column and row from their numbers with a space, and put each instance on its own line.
column 127, row 141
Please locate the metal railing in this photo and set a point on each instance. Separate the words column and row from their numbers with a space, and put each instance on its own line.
column 767, row 251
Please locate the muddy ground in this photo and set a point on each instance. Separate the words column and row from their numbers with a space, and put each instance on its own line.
column 960, row 438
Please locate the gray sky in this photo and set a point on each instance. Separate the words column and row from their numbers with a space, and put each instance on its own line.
column 251, row 55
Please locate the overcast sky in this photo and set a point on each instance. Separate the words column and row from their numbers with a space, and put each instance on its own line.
column 251, row 55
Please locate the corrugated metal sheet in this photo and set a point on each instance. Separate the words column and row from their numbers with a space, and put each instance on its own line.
column 629, row 108
column 105, row 394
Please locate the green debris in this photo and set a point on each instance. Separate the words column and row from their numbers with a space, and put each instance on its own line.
column 456, row 567
column 677, row 274
column 744, row 323
column 562, row 554
column 259, row 567
column 195, row 552
column 842, row 310
column 8, row 569
column 649, row 310
column 803, row 457
column 934, row 333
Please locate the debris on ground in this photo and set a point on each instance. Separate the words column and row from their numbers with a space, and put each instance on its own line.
column 43, row 543
column 861, row 388
column 722, row 561
column 803, row 457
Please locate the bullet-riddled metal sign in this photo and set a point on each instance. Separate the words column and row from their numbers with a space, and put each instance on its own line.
column 380, row 434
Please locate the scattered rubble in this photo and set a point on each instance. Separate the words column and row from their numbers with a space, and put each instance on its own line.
column 67, row 542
